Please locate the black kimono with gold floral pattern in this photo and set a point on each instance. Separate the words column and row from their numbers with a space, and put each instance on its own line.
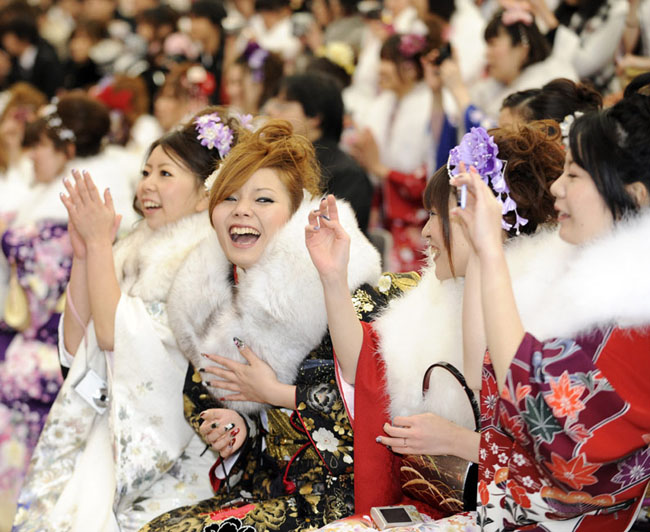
column 302, row 477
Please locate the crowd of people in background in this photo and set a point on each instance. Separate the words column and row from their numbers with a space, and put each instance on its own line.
column 197, row 201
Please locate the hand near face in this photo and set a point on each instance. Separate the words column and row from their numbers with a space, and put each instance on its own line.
column 366, row 152
column 93, row 219
column 482, row 214
column 253, row 381
column 327, row 242
column 224, row 430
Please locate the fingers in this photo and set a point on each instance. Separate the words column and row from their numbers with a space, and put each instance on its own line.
column 81, row 187
column 108, row 198
column 245, row 351
column 222, row 361
column 396, row 432
column 116, row 226
column 93, row 193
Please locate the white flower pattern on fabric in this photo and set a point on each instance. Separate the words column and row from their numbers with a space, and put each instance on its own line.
column 325, row 440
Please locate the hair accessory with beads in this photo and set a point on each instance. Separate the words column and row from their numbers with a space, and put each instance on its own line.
column 411, row 44
column 565, row 126
column 50, row 114
column 478, row 149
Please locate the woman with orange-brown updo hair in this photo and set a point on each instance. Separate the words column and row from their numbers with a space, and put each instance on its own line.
column 267, row 399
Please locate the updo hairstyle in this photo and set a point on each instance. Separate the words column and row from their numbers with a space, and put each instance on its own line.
column 613, row 146
column 272, row 146
column 535, row 158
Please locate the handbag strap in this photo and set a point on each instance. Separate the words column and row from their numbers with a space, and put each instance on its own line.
column 461, row 380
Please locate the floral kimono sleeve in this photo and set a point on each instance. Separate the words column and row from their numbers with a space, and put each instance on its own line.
column 582, row 408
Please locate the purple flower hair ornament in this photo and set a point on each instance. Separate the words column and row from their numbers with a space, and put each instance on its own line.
column 213, row 133
column 478, row 149
column 255, row 58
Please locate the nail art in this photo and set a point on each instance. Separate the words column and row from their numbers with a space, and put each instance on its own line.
column 228, row 427
column 234, row 432
column 316, row 228
column 222, row 399
column 215, row 425
column 325, row 216
column 201, row 370
column 232, row 443
column 238, row 342
column 378, row 439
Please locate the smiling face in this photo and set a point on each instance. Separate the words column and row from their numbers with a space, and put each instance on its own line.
column 582, row 212
column 460, row 247
column 247, row 220
column 168, row 191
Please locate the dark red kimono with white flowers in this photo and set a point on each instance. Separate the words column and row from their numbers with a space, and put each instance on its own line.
column 565, row 445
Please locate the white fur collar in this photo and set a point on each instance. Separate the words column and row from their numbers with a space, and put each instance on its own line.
column 560, row 289
column 277, row 307
column 146, row 260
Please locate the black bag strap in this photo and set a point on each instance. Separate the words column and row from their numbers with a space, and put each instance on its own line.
column 461, row 380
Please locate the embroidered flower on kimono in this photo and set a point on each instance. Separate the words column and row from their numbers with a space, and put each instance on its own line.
column 575, row 473
column 322, row 397
column 565, row 398
column 325, row 440
column 503, row 458
column 519, row 459
column 483, row 492
column 518, row 494
column 232, row 524
column 494, row 448
column 527, row 481
column 347, row 458
column 483, row 454
column 634, row 468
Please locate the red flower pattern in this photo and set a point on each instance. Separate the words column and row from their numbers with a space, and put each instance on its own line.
column 576, row 472
column 564, row 398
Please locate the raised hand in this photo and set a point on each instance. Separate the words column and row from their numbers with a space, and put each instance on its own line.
column 327, row 242
column 254, row 381
column 482, row 214
column 93, row 219
column 224, row 430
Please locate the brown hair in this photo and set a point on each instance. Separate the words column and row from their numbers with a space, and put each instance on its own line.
column 87, row 118
column 535, row 158
column 184, row 147
column 272, row 146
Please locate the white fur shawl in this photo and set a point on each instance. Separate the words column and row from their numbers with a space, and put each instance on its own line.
column 277, row 307
column 146, row 260
column 560, row 289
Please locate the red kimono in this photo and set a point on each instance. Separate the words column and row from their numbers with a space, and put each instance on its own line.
column 565, row 445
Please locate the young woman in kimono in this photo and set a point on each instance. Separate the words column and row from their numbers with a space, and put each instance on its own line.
column 250, row 294
column 387, row 360
column 566, row 416
column 36, row 258
column 116, row 450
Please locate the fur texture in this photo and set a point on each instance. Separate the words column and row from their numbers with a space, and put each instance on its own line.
column 561, row 290
column 146, row 260
column 277, row 307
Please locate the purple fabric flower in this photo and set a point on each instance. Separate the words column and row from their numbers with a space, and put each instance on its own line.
column 634, row 469
column 478, row 149
column 213, row 133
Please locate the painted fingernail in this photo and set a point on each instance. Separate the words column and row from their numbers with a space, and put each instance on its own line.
column 378, row 439
column 238, row 342
column 228, row 427
column 316, row 228
column 222, row 399
column 234, row 432
column 215, row 425
column 201, row 370
column 232, row 443
column 204, row 355
column 325, row 217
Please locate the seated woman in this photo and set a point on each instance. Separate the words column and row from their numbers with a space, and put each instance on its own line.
column 564, row 443
column 116, row 450
column 276, row 418
column 424, row 326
